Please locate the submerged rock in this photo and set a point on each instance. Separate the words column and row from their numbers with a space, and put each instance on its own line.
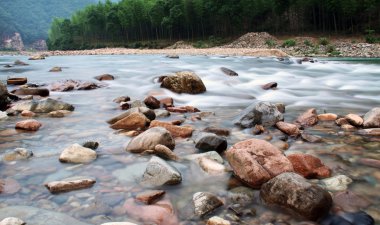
column 348, row 201
column 205, row 202
column 105, row 77
column 372, row 118
column 370, row 132
column 17, row 154
column 69, row 185
column 212, row 155
column 337, row 183
column 12, row 221
column 37, row 57
column 271, row 85
column 27, row 113
column 262, row 113
column 77, row 154
column 56, row 69
column 43, row 92
column 184, row 82
column 228, row 72
column 9, row 186
column 149, row 139
column 311, row 138
column 217, row 131
column 150, row 197
column 122, row 99
column 29, row 125
column 308, row 118
column 348, row 218
column 158, row 172
column 43, row 106
column 256, row 161
column 309, row 166
column 291, row 191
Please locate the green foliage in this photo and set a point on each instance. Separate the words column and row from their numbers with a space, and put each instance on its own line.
column 324, row 41
column 308, row 43
column 330, row 48
column 370, row 38
column 289, row 43
column 271, row 43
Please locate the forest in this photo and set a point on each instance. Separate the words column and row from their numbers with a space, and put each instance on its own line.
column 32, row 19
column 135, row 21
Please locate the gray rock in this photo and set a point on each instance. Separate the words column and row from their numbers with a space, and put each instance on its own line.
column 144, row 110
column 37, row 216
column 372, row 118
column 17, row 154
column 161, row 113
column 91, row 144
column 43, row 106
column 149, row 139
column 337, row 183
column 137, row 104
column 228, row 72
column 4, row 100
column 210, row 142
column 262, row 113
column 12, row 221
column 370, row 132
column 158, row 172
column 212, row 155
column 205, row 202
column 292, row 191
column 77, row 154
column 3, row 115
column 184, row 82
column 241, row 195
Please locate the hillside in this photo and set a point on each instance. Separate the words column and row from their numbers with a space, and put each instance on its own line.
column 33, row 18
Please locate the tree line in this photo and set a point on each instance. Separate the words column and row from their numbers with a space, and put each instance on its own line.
column 135, row 21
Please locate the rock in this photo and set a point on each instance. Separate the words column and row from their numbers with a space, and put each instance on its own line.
column 147, row 112
column 56, row 69
column 4, row 99
column 210, row 142
column 122, row 99
column 280, row 107
column 215, row 220
column 205, row 202
column 311, row 138
column 348, row 201
column 160, row 213
column 372, row 118
column 370, row 162
column 258, row 129
column 256, row 161
column 29, row 125
column 27, row 113
column 165, row 152
column 309, row 166
column 241, row 195
column 9, row 186
column 158, row 172
column 271, row 85
column 354, row 120
column 137, row 104
column 161, row 113
column 308, row 118
column 43, row 106
column 105, row 77
column 69, row 85
column 17, row 154
column 348, row 218
column 149, row 139
column 152, row 102
column 288, row 128
column 228, row 71
column 12, row 221
column 212, row 155
column 182, row 109
column 119, row 223
column 56, row 114
column 134, row 121
column 167, row 102
column 20, row 63
column 17, row 80
column 3, row 115
column 370, row 132
column 91, row 145
column 217, row 131
column 337, row 183
column 262, row 113
column 341, row 122
column 77, row 154
column 38, row 216
column 348, row 127
column 282, row 145
column 176, row 131
column 327, row 117
column 184, row 82
column 125, row 105
column 150, row 197
column 69, row 185
column 211, row 166
column 291, row 191
column 37, row 57
column 172, row 56
column 43, row 92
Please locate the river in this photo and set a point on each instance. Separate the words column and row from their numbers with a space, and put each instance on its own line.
column 329, row 85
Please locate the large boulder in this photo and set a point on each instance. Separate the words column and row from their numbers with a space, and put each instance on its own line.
column 77, row 154
column 256, row 161
column 149, row 139
column 184, row 82
column 372, row 118
column 262, row 113
column 158, row 172
column 4, row 100
column 292, row 191
column 43, row 106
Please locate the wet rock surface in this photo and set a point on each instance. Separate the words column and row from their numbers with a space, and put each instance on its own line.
column 149, row 139
column 309, row 166
column 184, row 82
column 176, row 131
column 210, row 142
column 205, row 203
column 65, row 186
column 43, row 106
column 17, row 154
column 4, row 99
column 29, row 125
column 77, row 154
column 372, row 118
column 32, row 91
column 228, row 72
column 308, row 118
column 158, row 173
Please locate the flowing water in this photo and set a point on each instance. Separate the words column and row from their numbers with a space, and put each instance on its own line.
column 336, row 86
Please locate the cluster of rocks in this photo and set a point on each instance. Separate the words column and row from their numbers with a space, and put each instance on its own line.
column 180, row 45
column 252, row 40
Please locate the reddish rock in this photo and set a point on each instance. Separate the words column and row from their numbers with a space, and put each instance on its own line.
column 176, row 131
column 105, row 77
column 152, row 102
column 167, row 102
column 256, row 161
column 271, row 85
column 288, row 128
column 177, row 122
column 30, row 125
column 122, row 99
column 370, row 162
column 258, row 129
column 160, row 213
column 348, row 127
column 9, row 186
column 27, row 113
column 183, row 109
column 327, row 117
column 150, row 197
column 135, row 121
column 308, row 118
column 217, row 131
column 348, row 201
column 354, row 120
column 125, row 105
column 341, row 121
column 309, row 166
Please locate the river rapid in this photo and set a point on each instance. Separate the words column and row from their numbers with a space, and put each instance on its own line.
column 335, row 86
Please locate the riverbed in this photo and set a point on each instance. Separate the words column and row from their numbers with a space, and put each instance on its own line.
column 333, row 86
